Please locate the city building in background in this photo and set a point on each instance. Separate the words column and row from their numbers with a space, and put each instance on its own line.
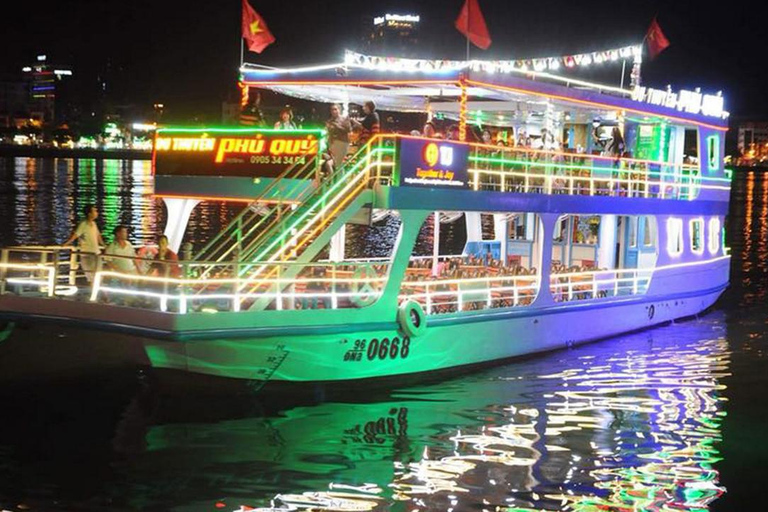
column 47, row 89
column 393, row 34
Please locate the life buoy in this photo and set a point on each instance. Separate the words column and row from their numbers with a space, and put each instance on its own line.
column 363, row 292
column 411, row 317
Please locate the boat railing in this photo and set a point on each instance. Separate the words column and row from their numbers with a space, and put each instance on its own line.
column 440, row 295
column 254, row 219
column 176, row 286
column 515, row 169
column 595, row 284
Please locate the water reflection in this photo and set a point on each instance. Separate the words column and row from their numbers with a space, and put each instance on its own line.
column 42, row 200
column 627, row 424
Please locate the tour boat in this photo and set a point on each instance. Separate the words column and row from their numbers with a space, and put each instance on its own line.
column 341, row 275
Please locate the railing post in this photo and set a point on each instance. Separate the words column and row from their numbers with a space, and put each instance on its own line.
column 239, row 235
column 278, row 291
column 515, row 293
column 334, row 299
column 429, row 299
column 3, row 269
column 183, row 288
column 53, row 274
column 236, row 283
column 72, row 267
column 164, row 298
column 96, row 278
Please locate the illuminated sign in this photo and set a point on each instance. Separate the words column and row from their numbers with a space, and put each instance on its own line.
column 396, row 18
column 221, row 152
column 692, row 102
column 433, row 163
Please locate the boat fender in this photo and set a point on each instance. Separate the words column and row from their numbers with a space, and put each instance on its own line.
column 363, row 292
column 411, row 317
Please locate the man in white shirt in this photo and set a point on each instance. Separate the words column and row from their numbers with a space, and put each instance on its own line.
column 89, row 240
column 120, row 246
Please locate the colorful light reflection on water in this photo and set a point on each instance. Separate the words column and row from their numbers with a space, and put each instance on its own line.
column 634, row 423
column 635, row 428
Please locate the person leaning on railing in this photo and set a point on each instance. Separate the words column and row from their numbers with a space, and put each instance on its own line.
column 166, row 262
column 89, row 241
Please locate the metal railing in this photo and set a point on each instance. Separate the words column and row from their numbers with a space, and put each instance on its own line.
column 513, row 169
column 596, row 284
column 441, row 295
column 162, row 285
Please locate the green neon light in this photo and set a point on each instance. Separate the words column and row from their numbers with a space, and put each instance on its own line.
column 578, row 167
column 341, row 180
column 241, row 130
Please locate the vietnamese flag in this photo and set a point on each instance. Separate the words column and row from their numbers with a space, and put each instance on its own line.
column 255, row 30
column 657, row 41
column 472, row 24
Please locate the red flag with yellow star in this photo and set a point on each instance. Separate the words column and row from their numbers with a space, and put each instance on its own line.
column 255, row 30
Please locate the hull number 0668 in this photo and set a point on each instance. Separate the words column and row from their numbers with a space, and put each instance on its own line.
column 384, row 348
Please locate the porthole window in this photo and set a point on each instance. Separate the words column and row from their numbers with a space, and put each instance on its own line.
column 696, row 229
column 714, row 235
column 674, row 236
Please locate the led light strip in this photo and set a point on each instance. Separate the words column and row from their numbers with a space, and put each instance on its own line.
column 595, row 104
column 550, row 177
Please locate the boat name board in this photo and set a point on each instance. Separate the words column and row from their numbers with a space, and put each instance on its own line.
column 692, row 102
column 254, row 154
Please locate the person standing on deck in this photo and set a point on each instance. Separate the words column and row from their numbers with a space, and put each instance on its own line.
column 339, row 127
column 120, row 246
column 166, row 261
column 89, row 241
column 286, row 120
column 371, row 123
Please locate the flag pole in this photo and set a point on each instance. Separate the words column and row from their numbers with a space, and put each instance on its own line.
column 469, row 15
column 623, row 65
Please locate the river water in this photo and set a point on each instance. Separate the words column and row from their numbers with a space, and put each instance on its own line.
column 670, row 419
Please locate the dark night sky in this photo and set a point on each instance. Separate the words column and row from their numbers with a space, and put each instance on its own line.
column 185, row 53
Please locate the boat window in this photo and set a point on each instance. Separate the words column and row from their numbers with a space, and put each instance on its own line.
column 632, row 226
column 592, row 258
column 691, row 146
column 714, row 235
column 696, row 228
column 674, row 236
column 713, row 152
column 483, row 261
column 649, row 232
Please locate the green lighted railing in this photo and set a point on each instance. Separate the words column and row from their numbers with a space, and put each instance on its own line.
column 533, row 171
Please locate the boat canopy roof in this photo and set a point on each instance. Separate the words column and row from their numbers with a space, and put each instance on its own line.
column 495, row 96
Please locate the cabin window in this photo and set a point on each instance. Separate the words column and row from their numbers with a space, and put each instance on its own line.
column 674, row 236
column 714, row 235
column 470, row 271
column 691, row 146
column 649, row 234
column 696, row 229
column 632, row 227
column 593, row 260
column 713, row 152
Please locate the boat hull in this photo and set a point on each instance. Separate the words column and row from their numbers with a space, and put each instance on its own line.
column 449, row 343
